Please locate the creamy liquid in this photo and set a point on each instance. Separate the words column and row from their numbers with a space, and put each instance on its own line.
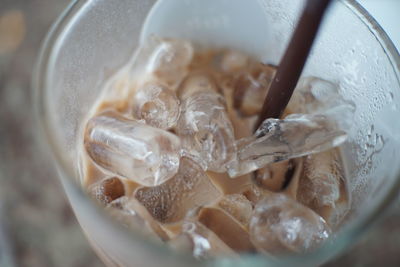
column 284, row 177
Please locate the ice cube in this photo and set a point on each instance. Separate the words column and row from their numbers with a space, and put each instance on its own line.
column 116, row 92
column 206, row 131
column 134, row 150
column 238, row 206
column 165, row 59
column 189, row 188
column 202, row 242
column 234, row 61
column 182, row 243
column 280, row 225
column 323, row 182
column 335, row 216
column 315, row 95
column 107, row 190
column 254, row 194
column 228, row 229
column 131, row 214
column 195, row 83
column 242, row 126
column 157, row 105
column 295, row 136
column 251, row 88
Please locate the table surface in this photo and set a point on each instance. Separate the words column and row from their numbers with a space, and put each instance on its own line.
column 37, row 226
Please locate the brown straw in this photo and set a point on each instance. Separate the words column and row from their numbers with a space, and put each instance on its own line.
column 293, row 61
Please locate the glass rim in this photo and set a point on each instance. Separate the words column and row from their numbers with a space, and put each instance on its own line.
column 344, row 237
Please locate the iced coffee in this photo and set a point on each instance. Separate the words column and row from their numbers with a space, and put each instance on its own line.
column 169, row 149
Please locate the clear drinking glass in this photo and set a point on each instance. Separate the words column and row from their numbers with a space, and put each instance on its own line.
column 93, row 38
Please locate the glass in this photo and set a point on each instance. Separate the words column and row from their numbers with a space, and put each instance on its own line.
column 93, row 38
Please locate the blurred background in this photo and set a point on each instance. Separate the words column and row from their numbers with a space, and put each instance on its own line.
column 37, row 226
